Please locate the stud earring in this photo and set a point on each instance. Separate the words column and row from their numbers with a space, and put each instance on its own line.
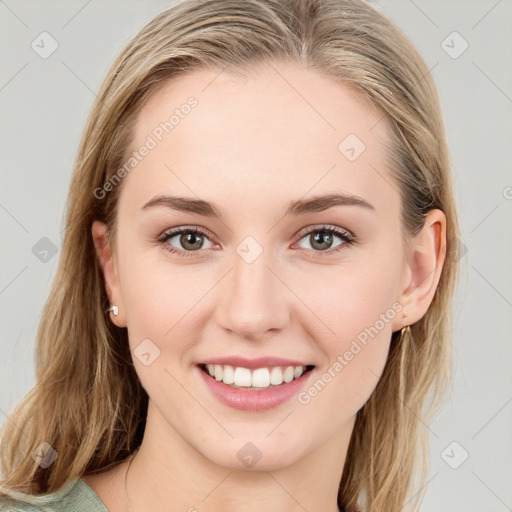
column 114, row 310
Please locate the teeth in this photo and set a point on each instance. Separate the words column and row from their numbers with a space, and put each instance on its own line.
column 299, row 370
column 289, row 374
column 228, row 375
column 276, row 376
column 259, row 378
column 242, row 376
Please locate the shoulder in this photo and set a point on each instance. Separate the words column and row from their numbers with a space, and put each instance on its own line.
column 76, row 495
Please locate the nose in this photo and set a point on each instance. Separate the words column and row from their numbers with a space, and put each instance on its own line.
column 253, row 300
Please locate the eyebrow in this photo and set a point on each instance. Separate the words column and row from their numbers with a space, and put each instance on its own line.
column 299, row 207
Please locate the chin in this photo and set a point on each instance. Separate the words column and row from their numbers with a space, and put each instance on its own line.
column 258, row 454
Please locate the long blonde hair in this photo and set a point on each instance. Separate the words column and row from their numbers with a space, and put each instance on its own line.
column 88, row 403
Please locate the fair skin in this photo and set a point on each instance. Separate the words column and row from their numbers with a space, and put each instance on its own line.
column 251, row 147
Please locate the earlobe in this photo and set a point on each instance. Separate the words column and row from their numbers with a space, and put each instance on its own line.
column 425, row 265
column 107, row 263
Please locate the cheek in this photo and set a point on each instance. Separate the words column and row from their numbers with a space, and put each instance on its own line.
column 160, row 301
column 165, row 302
column 356, row 310
column 155, row 293
column 346, row 299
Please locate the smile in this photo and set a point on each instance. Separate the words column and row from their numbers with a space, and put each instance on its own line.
column 254, row 390
column 260, row 378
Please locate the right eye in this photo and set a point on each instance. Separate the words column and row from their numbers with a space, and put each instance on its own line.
column 188, row 238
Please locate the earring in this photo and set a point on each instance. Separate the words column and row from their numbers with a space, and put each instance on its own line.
column 114, row 310
column 404, row 330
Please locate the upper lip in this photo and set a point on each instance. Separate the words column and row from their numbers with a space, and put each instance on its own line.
column 259, row 362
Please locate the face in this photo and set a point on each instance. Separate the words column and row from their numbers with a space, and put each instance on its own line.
column 319, row 285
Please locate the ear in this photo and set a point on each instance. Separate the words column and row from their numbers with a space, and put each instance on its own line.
column 423, row 269
column 109, row 269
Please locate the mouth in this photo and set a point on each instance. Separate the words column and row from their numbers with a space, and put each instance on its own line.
column 258, row 379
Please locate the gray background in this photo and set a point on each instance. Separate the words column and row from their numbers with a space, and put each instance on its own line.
column 44, row 104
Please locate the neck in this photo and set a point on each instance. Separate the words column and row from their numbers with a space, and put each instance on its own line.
column 168, row 472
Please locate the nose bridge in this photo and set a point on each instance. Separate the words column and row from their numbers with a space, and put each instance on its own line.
column 253, row 299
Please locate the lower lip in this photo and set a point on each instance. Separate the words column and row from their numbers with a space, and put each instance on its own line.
column 252, row 400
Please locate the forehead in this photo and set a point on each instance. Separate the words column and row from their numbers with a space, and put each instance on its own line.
column 285, row 131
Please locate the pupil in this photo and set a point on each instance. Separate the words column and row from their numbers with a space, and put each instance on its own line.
column 323, row 235
column 186, row 239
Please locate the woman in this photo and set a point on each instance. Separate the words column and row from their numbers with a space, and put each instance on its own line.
column 254, row 294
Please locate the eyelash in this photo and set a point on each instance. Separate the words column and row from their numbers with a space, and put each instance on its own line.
column 347, row 237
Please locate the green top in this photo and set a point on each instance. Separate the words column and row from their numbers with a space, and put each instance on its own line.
column 75, row 496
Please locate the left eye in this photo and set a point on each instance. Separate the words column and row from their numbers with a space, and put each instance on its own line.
column 192, row 239
column 322, row 236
